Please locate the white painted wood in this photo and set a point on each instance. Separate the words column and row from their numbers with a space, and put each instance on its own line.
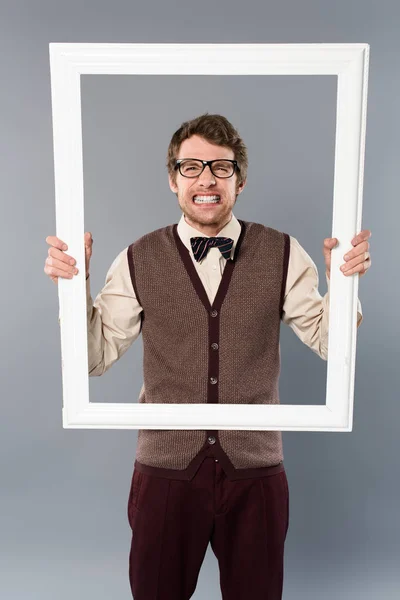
column 350, row 63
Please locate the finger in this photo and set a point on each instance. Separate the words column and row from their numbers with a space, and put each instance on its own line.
column 350, row 264
column 360, row 237
column 60, row 255
column 359, row 249
column 360, row 268
column 367, row 265
column 54, row 273
column 56, row 242
column 58, row 268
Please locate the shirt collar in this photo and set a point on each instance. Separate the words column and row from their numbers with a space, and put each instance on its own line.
column 231, row 229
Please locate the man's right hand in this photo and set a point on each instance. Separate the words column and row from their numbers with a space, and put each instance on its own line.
column 59, row 264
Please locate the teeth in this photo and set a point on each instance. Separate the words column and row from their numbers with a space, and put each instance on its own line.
column 206, row 198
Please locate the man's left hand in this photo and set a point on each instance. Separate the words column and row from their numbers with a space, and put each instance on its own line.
column 358, row 259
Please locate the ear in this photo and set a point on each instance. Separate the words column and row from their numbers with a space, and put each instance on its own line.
column 240, row 187
column 172, row 185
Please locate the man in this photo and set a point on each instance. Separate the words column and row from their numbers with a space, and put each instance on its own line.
column 208, row 295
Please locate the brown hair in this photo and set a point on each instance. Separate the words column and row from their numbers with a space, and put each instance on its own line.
column 216, row 129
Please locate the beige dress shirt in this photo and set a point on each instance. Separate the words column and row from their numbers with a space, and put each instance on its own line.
column 114, row 317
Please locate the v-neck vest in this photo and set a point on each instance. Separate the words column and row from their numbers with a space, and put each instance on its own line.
column 196, row 352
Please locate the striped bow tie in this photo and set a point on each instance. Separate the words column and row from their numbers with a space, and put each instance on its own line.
column 200, row 246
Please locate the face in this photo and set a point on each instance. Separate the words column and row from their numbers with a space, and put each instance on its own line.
column 208, row 218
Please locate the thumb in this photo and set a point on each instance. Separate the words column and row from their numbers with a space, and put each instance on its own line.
column 332, row 242
column 88, row 240
column 329, row 244
column 88, row 249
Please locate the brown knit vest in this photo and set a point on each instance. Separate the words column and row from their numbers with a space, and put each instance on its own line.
column 194, row 352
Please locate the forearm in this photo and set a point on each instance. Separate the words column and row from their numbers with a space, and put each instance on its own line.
column 113, row 319
column 305, row 310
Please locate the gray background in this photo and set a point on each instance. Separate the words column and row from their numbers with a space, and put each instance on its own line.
column 126, row 131
column 64, row 530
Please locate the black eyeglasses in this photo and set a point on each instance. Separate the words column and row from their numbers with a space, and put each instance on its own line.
column 193, row 167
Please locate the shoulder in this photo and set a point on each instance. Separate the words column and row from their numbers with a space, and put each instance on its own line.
column 266, row 231
column 299, row 257
column 151, row 238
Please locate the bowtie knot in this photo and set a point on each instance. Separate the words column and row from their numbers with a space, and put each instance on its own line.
column 201, row 245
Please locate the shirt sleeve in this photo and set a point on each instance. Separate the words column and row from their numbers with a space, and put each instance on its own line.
column 304, row 309
column 113, row 319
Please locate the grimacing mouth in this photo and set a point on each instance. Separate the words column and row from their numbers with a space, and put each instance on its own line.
column 219, row 197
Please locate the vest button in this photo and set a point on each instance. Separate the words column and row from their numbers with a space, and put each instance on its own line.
column 214, row 346
column 211, row 439
column 214, row 313
column 213, row 380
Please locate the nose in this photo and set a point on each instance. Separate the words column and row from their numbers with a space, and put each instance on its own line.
column 207, row 178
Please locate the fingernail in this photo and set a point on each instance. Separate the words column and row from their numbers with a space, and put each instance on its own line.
column 65, row 247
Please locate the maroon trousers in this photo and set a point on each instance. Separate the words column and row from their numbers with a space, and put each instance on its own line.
column 173, row 521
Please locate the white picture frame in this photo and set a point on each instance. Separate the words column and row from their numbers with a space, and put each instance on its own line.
column 68, row 61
